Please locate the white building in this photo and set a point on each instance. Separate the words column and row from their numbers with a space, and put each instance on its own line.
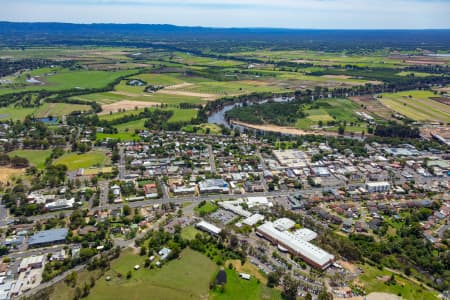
column 378, row 187
column 294, row 243
column 208, row 227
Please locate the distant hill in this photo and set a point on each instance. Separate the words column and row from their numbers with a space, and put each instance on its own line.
column 19, row 33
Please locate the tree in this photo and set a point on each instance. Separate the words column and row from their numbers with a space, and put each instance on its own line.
column 126, row 210
column 273, row 279
column 308, row 296
column 290, row 287
column 129, row 274
column 324, row 295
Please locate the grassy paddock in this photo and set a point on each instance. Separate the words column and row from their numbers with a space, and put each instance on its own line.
column 186, row 278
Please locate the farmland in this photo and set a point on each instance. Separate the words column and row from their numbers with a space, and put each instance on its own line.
column 63, row 79
column 417, row 105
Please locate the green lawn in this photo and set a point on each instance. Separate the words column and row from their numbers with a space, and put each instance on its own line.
column 373, row 280
column 237, row 289
column 74, row 161
column 189, row 232
column 35, row 157
column 417, row 106
column 207, row 208
column 185, row 278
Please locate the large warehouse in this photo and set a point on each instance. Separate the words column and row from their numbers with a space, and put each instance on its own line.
column 296, row 245
column 48, row 237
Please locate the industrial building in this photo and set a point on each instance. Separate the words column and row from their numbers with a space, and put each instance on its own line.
column 48, row 237
column 277, row 233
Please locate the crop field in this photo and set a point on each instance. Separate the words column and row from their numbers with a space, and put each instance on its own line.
column 374, row 280
column 35, row 157
column 75, row 161
column 323, row 58
column 178, row 279
column 417, row 106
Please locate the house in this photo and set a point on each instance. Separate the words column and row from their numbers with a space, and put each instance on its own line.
column 164, row 253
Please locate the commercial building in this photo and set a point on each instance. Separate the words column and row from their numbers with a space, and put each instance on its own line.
column 377, row 187
column 213, row 186
column 291, row 158
column 48, row 237
column 293, row 243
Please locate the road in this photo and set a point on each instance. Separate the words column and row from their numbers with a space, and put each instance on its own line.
column 121, row 163
column 212, row 161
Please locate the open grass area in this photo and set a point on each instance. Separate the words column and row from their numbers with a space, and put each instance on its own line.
column 7, row 174
column 374, row 280
column 415, row 74
column 44, row 110
column 326, row 110
column 237, row 289
column 75, row 161
column 185, row 278
column 417, row 106
column 189, row 232
column 63, row 291
column 204, row 128
column 207, row 208
column 35, row 157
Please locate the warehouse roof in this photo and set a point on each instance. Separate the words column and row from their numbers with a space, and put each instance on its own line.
column 48, row 236
column 312, row 252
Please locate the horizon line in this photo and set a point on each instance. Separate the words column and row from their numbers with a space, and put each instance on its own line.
column 222, row 27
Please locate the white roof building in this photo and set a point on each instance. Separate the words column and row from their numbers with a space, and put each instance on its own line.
column 208, row 227
column 253, row 219
column 295, row 244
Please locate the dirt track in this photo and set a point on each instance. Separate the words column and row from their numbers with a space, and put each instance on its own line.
column 284, row 130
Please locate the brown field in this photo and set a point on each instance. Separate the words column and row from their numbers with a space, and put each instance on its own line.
column 442, row 100
column 207, row 97
column 126, row 105
column 420, row 60
column 178, row 86
column 284, row 130
column 337, row 76
column 7, row 173
column 373, row 106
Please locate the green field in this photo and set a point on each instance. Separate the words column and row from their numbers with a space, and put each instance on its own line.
column 75, row 161
column 207, row 208
column 44, row 110
column 203, row 128
column 189, row 232
column 417, row 106
column 237, row 289
column 374, row 279
column 416, row 74
column 186, row 278
column 64, row 79
column 331, row 110
column 35, row 157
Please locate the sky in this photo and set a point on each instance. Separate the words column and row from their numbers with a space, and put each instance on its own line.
column 318, row 14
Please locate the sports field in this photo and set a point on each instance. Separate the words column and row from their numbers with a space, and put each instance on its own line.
column 35, row 157
column 185, row 278
column 74, row 161
column 417, row 106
